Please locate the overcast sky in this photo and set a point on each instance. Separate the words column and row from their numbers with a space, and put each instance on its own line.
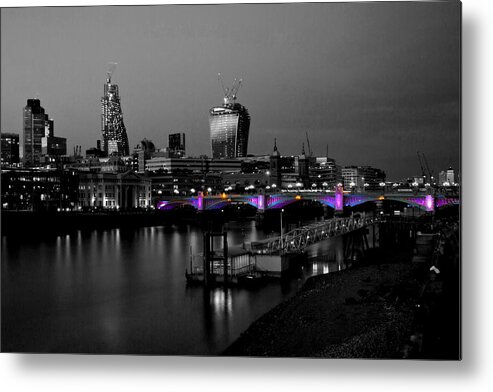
column 376, row 81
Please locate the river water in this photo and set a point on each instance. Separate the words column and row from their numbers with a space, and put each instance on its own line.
column 124, row 291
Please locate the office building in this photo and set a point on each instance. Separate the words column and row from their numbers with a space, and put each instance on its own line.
column 202, row 165
column 34, row 131
column 39, row 189
column 115, row 139
column 176, row 145
column 362, row 178
column 10, row 149
column 450, row 176
column 229, row 127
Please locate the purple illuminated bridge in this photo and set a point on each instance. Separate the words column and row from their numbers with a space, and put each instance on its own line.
column 337, row 200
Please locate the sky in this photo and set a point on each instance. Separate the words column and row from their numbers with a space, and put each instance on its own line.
column 375, row 82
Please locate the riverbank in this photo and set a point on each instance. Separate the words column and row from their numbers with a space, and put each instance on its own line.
column 389, row 308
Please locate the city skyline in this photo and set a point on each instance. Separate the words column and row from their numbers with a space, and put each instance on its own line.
column 375, row 98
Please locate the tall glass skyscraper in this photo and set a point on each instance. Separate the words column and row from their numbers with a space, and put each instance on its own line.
column 115, row 139
column 229, row 125
column 34, row 131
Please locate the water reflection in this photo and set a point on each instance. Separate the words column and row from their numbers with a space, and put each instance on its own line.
column 124, row 291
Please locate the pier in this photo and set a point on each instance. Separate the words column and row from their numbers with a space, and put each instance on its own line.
column 272, row 257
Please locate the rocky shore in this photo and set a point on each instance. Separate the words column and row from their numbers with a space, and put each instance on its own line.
column 388, row 308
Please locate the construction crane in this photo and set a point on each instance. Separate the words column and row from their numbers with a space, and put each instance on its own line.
column 229, row 93
column 430, row 172
column 308, row 145
column 423, row 174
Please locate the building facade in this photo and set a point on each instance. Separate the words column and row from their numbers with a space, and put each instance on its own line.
column 53, row 147
column 39, row 190
column 115, row 139
column 362, row 178
column 450, row 176
column 10, row 149
column 176, row 145
column 34, row 131
column 203, row 165
column 229, row 129
column 109, row 190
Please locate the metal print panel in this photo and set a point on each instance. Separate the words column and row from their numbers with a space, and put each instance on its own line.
column 278, row 180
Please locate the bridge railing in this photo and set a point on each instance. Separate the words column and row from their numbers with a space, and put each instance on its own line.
column 298, row 239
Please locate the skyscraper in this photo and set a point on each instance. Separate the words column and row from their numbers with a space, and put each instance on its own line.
column 34, row 131
column 176, row 145
column 115, row 139
column 10, row 148
column 229, row 126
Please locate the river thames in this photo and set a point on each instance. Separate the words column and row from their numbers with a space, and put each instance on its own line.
column 121, row 291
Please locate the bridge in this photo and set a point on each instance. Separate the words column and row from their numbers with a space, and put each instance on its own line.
column 337, row 200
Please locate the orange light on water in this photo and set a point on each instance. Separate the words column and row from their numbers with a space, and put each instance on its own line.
column 297, row 197
column 381, row 198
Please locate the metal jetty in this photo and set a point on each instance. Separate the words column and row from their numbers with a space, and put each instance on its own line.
column 270, row 257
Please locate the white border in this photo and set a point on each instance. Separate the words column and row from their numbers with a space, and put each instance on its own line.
column 131, row 373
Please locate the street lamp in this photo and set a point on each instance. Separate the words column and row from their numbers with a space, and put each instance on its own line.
column 280, row 238
column 382, row 184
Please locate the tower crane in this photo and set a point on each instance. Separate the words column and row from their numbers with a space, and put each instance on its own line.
column 423, row 174
column 308, row 145
column 230, row 93
column 430, row 172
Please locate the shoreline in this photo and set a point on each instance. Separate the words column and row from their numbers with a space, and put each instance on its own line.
column 380, row 309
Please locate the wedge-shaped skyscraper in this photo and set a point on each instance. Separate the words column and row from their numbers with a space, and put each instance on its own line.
column 229, row 126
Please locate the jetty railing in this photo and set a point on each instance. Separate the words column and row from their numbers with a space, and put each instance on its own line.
column 297, row 240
